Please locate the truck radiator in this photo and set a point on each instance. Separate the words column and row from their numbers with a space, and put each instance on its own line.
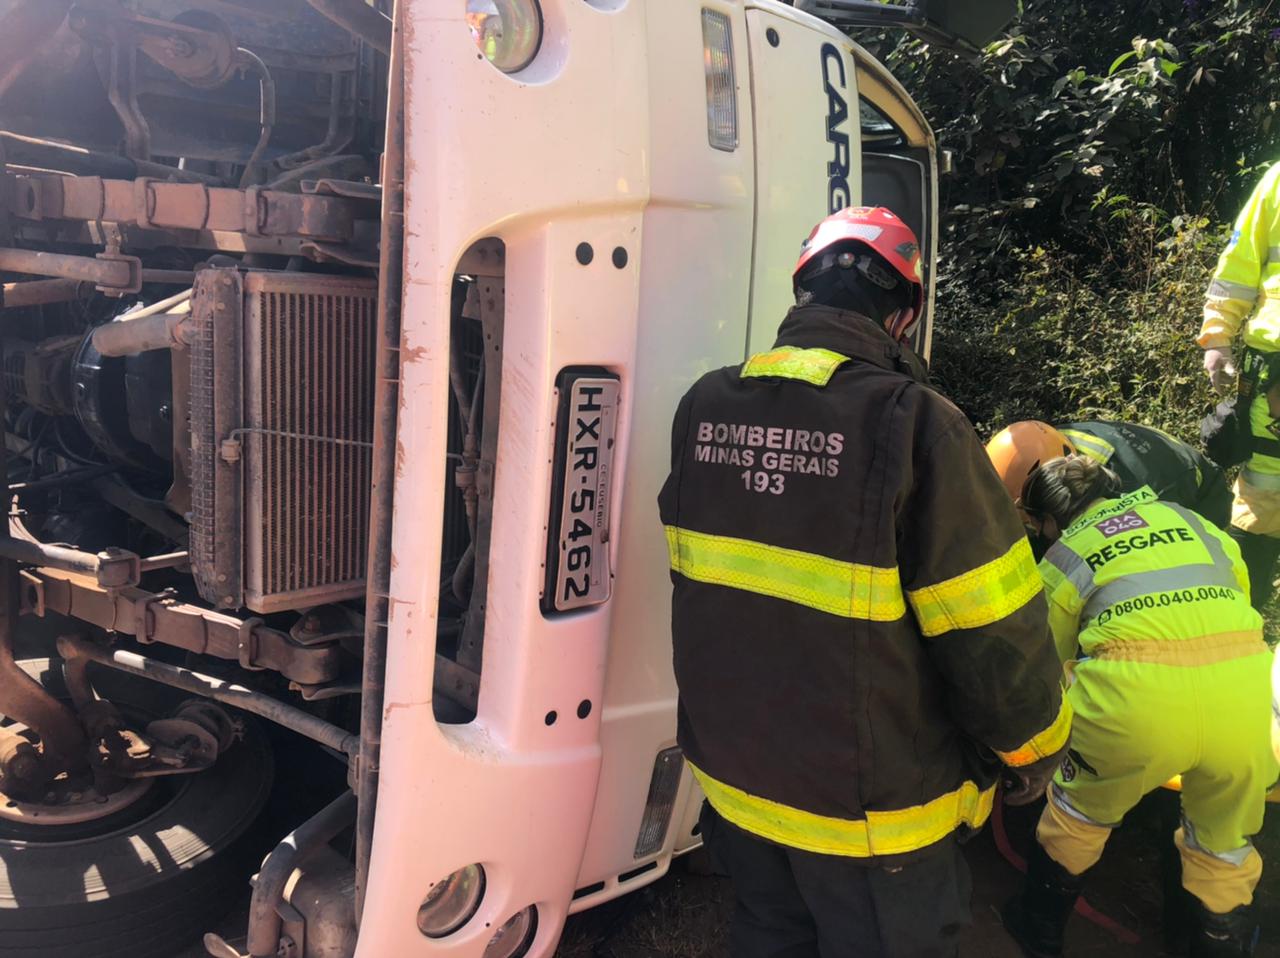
column 282, row 431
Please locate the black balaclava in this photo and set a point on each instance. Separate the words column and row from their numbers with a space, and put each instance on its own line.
column 848, row 289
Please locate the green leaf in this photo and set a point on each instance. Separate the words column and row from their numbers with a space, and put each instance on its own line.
column 1121, row 61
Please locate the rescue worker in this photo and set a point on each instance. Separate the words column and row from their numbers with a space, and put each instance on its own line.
column 1139, row 455
column 1275, row 705
column 1245, row 291
column 1171, row 676
column 858, row 627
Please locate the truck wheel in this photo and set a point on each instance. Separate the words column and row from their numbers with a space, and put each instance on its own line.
column 146, row 878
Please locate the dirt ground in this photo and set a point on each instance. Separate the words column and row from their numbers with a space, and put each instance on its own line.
column 686, row 913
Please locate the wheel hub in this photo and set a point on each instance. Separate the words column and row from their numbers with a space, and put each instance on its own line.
column 66, row 803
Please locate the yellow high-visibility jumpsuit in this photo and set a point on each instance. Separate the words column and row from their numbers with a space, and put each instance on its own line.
column 1275, row 706
column 1246, row 286
column 1172, row 677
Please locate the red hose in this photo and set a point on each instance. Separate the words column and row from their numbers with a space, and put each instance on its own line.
column 1083, row 908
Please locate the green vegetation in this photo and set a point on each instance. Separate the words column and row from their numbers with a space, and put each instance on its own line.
column 1100, row 150
column 1069, row 337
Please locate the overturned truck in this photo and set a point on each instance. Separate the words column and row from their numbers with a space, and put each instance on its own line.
column 338, row 361
column 190, row 215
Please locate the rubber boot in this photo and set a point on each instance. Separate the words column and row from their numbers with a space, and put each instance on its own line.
column 1037, row 918
column 1232, row 935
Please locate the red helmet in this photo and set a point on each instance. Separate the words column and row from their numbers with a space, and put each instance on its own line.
column 890, row 238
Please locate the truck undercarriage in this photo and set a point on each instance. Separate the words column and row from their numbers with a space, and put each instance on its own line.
column 199, row 206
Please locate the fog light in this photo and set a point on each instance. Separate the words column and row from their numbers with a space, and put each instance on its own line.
column 507, row 32
column 722, row 95
column 515, row 937
column 663, row 785
column 451, row 902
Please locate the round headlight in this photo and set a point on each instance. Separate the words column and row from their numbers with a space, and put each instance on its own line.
column 451, row 902
column 515, row 937
column 507, row 32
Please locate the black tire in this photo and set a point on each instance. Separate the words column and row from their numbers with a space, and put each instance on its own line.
column 147, row 881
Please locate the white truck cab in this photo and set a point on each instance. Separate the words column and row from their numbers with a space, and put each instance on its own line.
column 358, row 427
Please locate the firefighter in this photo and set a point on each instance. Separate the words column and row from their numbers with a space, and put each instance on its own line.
column 858, row 625
column 1246, row 286
column 1139, row 455
column 1171, row 676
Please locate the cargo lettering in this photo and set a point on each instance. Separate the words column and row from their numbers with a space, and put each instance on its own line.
column 839, row 167
column 1135, row 543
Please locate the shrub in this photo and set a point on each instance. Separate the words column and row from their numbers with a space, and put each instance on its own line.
column 1074, row 337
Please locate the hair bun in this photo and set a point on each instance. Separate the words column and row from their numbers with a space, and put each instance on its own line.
column 1064, row 487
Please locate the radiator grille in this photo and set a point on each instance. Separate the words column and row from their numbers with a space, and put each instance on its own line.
column 204, row 449
column 215, row 405
column 309, row 343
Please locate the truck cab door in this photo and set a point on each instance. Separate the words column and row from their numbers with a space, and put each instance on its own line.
column 900, row 169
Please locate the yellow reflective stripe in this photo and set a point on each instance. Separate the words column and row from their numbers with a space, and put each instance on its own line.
column 1091, row 446
column 1225, row 289
column 813, row 366
column 1045, row 743
column 980, row 596
column 880, row 833
column 829, row 585
column 1260, row 480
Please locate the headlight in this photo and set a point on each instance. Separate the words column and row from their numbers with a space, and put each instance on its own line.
column 515, row 936
column 507, row 32
column 451, row 902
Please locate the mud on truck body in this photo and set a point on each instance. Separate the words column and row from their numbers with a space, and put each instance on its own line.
column 338, row 362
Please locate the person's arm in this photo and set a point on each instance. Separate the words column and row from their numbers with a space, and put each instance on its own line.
column 1234, row 288
column 669, row 496
column 1064, row 607
column 974, row 589
column 1238, row 568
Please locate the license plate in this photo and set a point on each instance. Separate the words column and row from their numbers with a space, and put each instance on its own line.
column 578, row 571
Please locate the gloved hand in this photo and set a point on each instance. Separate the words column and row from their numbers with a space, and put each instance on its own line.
column 1220, row 364
column 1024, row 784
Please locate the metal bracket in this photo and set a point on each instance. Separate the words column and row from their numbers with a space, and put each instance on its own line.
column 144, row 628
column 249, row 645
column 255, row 211
column 118, row 569
column 32, row 594
column 135, row 274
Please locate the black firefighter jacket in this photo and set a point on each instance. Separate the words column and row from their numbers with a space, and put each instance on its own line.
column 858, row 623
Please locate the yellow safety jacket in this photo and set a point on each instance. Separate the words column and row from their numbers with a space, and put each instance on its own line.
column 1247, row 281
column 1140, row 580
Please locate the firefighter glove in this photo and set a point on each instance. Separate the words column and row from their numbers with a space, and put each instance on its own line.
column 1220, row 364
column 1024, row 784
